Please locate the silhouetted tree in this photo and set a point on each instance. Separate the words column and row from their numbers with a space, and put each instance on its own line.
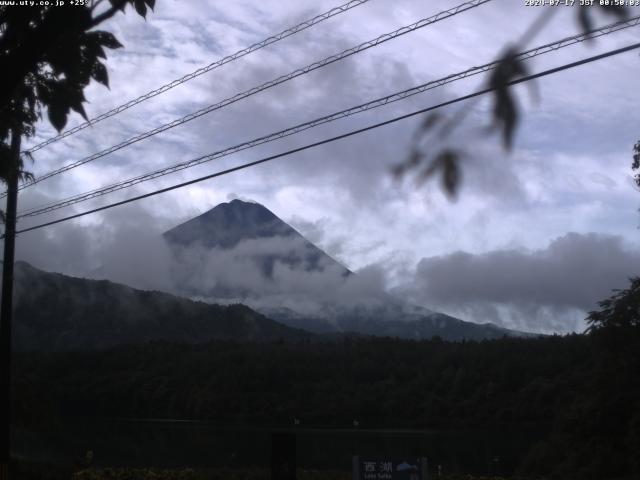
column 620, row 310
column 636, row 162
column 48, row 55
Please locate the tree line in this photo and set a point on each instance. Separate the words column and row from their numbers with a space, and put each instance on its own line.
column 583, row 390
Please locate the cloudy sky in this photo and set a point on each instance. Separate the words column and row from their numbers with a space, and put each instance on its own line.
column 535, row 237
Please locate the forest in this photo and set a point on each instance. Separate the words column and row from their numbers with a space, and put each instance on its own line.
column 582, row 390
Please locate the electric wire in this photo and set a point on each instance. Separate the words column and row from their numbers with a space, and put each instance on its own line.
column 531, row 53
column 335, row 138
column 272, row 83
column 212, row 66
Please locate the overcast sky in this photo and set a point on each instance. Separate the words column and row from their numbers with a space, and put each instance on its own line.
column 534, row 239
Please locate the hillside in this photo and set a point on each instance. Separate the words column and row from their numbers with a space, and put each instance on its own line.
column 58, row 312
column 392, row 320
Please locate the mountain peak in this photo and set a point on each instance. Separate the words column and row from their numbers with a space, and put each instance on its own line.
column 239, row 210
column 227, row 224
column 249, row 241
column 237, row 201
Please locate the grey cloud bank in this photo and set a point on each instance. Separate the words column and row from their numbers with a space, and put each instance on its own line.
column 541, row 290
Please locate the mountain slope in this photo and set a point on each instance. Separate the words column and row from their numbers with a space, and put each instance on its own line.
column 407, row 326
column 227, row 225
column 241, row 250
column 58, row 312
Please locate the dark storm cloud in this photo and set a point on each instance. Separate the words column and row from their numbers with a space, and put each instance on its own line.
column 569, row 276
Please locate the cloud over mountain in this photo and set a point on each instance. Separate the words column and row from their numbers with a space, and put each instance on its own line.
column 548, row 289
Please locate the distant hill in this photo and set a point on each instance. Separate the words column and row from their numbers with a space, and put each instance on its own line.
column 242, row 250
column 58, row 312
column 394, row 321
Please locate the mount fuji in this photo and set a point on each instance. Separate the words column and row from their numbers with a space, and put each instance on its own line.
column 242, row 252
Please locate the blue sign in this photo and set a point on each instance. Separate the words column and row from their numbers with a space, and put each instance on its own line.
column 375, row 468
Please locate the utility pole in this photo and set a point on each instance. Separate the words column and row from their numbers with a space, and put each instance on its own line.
column 6, row 307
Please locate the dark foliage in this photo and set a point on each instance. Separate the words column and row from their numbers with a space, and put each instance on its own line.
column 382, row 382
column 48, row 55
column 597, row 435
column 505, row 111
column 636, row 163
column 580, row 385
column 621, row 311
column 585, row 15
column 441, row 158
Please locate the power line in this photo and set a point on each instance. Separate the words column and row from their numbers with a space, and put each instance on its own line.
column 335, row 138
column 272, row 83
column 534, row 52
column 212, row 66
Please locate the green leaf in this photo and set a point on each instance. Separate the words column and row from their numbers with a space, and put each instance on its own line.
column 108, row 40
column 26, row 176
column 505, row 111
column 94, row 47
column 58, row 115
column 29, row 155
column 73, row 96
column 43, row 91
column 620, row 310
column 141, row 7
column 450, row 173
column 99, row 74
column 584, row 18
column 80, row 109
column 585, row 15
column 446, row 161
column 620, row 11
column 636, row 162
column 119, row 4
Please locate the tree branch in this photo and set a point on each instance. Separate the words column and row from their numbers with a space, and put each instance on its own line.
column 106, row 15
